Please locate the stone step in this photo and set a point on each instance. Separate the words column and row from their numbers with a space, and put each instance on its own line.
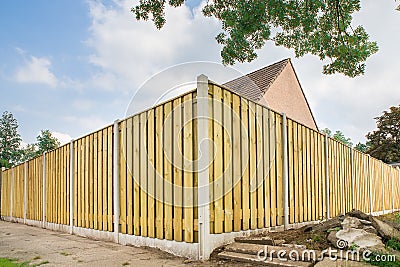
column 260, row 240
column 284, row 252
column 229, row 255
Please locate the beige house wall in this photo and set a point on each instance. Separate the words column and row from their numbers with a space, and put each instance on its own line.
column 285, row 95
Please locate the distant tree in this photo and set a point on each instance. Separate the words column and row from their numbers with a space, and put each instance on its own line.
column 385, row 141
column 46, row 142
column 339, row 136
column 10, row 140
column 29, row 152
column 362, row 147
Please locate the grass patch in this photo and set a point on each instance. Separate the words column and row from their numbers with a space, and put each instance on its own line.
column 316, row 238
column 384, row 260
column 394, row 244
column 397, row 217
column 5, row 262
column 333, row 229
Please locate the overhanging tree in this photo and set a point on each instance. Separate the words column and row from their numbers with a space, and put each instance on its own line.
column 319, row 27
column 384, row 143
column 10, row 140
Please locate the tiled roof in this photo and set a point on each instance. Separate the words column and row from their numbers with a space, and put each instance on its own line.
column 254, row 85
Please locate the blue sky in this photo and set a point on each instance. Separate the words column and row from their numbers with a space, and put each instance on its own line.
column 73, row 66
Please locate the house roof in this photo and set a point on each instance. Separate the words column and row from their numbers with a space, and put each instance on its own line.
column 255, row 84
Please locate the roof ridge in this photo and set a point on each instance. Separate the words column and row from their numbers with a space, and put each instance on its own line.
column 285, row 61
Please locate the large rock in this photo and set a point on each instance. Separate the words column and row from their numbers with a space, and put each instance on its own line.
column 385, row 230
column 361, row 238
column 351, row 222
column 332, row 238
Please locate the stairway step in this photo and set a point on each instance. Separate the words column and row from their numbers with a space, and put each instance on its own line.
column 260, row 240
column 228, row 255
column 285, row 252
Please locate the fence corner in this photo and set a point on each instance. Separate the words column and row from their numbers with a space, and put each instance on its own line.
column 205, row 247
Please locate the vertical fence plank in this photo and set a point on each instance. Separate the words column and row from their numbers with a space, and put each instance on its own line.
column 150, row 174
column 188, row 168
column 236, row 162
column 227, row 163
column 167, row 139
column 129, row 178
column 159, row 172
column 122, row 176
column 245, row 164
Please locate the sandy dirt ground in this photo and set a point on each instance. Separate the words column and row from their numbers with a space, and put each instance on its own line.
column 50, row 248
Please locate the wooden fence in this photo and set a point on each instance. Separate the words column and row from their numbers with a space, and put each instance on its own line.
column 142, row 175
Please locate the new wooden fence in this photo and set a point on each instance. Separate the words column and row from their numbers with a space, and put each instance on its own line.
column 257, row 155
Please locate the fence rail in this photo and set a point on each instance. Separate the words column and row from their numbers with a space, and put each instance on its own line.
column 265, row 170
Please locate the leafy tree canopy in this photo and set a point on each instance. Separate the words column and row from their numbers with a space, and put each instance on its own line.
column 384, row 143
column 362, row 147
column 46, row 142
column 339, row 136
column 10, row 140
column 319, row 27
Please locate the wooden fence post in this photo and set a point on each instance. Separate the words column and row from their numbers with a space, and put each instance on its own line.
column 25, row 189
column 116, row 180
column 44, row 192
column 203, row 168
column 71, row 187
column 285, row 172
column 328, row 203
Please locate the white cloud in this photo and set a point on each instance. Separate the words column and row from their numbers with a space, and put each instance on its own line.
column 127, row 52
column 86, row 124
column 63, row 138
column 36, row 70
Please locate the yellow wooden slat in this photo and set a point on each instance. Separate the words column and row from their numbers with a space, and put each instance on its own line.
column 110, row 150
column 100, row 180
column 159, row 172
column 290, row 170
column 245, row 165
column 177, row 170
column 227, row 164
column 272, row 173
column 143, row 175
column 129, row 178
column 168, row 141
column 267, row 167
column 91, row 180
column 260, row 167
column 95, row 182
column 252, row 166
column 279, row 170
column 188, row 169
column 136, row 175
column 150, row 175
column 236, row 161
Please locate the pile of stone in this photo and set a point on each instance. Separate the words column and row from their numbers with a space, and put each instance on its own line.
column 357, row 230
